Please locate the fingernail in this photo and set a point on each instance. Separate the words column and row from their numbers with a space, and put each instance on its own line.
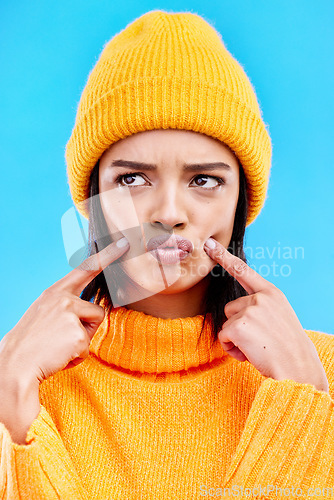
column 210, row 243
column 122, row 242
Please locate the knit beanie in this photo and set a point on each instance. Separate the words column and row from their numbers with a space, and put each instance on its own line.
column 168, row 70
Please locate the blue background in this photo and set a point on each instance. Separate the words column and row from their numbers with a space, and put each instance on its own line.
column 286, row 48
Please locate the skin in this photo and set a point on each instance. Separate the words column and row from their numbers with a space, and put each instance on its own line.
column 262, row 327
column 55, row 332
column 186, row 206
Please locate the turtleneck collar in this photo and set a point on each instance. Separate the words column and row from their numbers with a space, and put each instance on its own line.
column 143, row 343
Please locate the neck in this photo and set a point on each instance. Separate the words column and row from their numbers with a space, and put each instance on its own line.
column 184, row 304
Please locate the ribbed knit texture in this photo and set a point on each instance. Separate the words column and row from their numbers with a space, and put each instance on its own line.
column 151, row 414
column 169, row 70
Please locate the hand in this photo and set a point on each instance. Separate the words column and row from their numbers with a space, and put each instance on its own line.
column 56, row 331
column 262, row 327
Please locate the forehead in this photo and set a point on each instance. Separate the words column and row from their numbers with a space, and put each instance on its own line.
column 171, row 145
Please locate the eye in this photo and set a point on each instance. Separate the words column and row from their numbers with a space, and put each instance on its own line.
column 127, row 180
column 122, row 180
column 218, row 180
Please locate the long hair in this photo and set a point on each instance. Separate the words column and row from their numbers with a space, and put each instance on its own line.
column 222, row 288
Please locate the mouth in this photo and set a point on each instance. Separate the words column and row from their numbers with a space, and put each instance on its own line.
column 169, row 249
column 169, row 256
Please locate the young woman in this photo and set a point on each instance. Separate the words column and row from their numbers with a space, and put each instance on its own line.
column 164, row 366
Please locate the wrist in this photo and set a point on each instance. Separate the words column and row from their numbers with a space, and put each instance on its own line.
column 13, row 370
column 20, row 404
column 321, row 383
column 13, row 378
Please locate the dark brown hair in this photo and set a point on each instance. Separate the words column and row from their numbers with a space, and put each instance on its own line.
column 222, row 287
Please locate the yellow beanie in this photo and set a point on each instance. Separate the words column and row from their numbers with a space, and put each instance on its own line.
column 168, row 70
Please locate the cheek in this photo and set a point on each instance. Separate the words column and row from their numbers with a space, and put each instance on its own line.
column 223, row 220
column 118, row 210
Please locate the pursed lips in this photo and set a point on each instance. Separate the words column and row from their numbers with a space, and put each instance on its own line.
column 170, row 241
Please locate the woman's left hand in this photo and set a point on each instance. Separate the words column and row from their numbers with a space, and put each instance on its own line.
column 262, row 327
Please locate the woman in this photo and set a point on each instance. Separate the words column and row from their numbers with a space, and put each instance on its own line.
column 190, row 374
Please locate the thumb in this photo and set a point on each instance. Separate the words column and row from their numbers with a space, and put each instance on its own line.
column 233, row 351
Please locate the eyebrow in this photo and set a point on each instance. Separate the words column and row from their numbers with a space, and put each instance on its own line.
column 194, row 167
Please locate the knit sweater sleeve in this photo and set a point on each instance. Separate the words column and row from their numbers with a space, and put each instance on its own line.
column 41, row 469
column 288, row 438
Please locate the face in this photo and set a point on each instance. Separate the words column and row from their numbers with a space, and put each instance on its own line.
column 177, row 194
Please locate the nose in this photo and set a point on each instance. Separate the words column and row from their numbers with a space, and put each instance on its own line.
column 168, row 210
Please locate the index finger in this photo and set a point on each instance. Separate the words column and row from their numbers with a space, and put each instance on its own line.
column 248, row 278
column 77, row 279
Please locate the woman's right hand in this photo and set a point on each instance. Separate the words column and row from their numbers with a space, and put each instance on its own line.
column 55, row 332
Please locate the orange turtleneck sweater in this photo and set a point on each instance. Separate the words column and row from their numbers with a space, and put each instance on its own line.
column 151, row 414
